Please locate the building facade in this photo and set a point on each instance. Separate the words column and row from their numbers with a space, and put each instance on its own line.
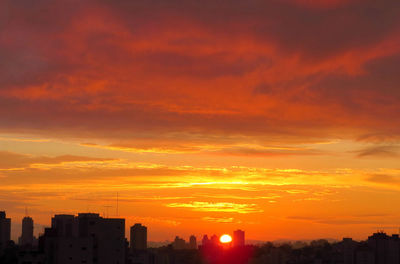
column 5, row 231
column 138, row 237
column 238, row 238
column 86, row 238
column 26, row 238
column 192, row 242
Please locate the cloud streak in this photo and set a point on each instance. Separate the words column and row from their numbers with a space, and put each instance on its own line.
column 15, row 161
column 218, row 207
column 380, row 151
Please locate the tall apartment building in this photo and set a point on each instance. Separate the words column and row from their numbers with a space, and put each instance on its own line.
column 5, row 231
column 26, row 238
column 138, row 237
column 238, row 238
column 86, row 238
column 192, row 242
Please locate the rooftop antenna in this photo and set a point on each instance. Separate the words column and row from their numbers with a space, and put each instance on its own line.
column 117, row 204
column 106, row 206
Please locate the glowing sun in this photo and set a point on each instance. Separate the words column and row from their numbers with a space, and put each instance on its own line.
column 225, row 238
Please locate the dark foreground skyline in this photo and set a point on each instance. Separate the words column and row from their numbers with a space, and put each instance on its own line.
column 90, row 238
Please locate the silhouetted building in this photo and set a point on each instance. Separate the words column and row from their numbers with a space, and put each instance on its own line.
column 214, row 240
column 87, row 238
column 386, row 248
column 364, row 254
column 168, row 255
column 5, row 231
column 142, row 257
column 192, row 242
column 31, row 257
column 238, row 238
column 205, row 241
column 348, row 248
column 64, row 225
column 26, row 238
column 179, row 243
column 63, row 250
column 138, row 237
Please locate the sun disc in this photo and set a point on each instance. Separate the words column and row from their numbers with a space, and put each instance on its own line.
column 225, row 238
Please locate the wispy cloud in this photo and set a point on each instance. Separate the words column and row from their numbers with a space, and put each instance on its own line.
column 218, row 207
column 154, row 220
column 22, row 139
column 384, row 178
column 218, row 219
column 379, row 151
column 348, row 219
column 16, row 161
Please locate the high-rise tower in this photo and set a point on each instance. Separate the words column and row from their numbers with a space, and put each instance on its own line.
column 26, row 238
column 238, row 238
column 192, row 242
column 5, row 230
column 138, row 237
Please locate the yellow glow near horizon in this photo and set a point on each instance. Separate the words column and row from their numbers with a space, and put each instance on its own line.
column 225, row 239
column 186, row 193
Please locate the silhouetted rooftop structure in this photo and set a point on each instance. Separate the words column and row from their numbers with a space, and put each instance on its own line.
column 238, row 238
column 26, row 238
column 138, row 237
column 5, row 231
column 86, row 238
column 192, row 242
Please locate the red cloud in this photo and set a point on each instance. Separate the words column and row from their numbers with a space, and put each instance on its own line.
column 251, row 68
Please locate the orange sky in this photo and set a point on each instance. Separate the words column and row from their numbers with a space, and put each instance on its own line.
column 281, row 118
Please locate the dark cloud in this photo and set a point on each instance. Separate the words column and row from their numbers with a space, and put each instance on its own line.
column 377, row 85
column 316, row 31
column 382, row 178
column 10, row 160
column 380, row 151
column 347, row 220
column 260, row 152
column 262, row 88
column 254, row 68
column 379, row 138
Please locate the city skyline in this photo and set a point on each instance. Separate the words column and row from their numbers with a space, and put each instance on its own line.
column 279, row 117
column 92, row 239
column 237, row 235
column 138, row 234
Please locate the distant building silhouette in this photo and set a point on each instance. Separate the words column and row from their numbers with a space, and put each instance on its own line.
column 26, row 238
column 192, row 242
column 214, row 240
column 205, row 241
column 138, row 237
column 364, row 255
column 386, row 248
column 31, row 257
column 64, row 225
column 87, row 238
column 348, row 249
column 179, row 243
column 5, row 231
column 238, row 238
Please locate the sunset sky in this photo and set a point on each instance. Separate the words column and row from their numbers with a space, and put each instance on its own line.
column 278, row 117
